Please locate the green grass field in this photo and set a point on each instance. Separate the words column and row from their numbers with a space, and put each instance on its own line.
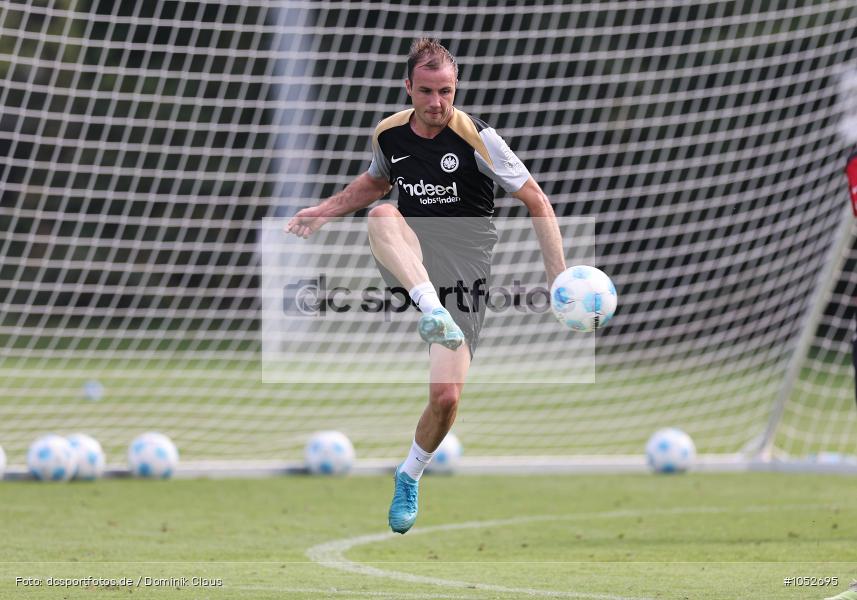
column 712, row 536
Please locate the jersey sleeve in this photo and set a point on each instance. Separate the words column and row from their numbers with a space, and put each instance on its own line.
column 380, row 166
column 507, row 170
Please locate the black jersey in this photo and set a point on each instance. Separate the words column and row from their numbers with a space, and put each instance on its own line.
column 450, row 175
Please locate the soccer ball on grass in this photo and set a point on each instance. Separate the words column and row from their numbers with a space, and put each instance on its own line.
column 88, row 455
column 670, row 450
column 583, row 298
column 329, row 453
column 446, row 456
column 51, row 458
column 153, row 455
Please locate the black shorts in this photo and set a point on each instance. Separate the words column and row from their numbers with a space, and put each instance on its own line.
column 458, row 262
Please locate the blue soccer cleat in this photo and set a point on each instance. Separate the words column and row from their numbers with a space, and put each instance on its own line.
column 403, row 509
column 440, row 328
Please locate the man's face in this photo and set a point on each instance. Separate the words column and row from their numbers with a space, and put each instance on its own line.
column 432, row 92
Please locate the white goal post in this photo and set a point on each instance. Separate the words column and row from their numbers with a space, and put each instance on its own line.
column 145, row 144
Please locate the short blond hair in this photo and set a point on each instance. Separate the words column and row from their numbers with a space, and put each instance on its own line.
column 432, row 50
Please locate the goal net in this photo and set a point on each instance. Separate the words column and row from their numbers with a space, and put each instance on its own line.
column 147, row 146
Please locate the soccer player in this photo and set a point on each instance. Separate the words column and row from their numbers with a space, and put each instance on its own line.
column 445, row 164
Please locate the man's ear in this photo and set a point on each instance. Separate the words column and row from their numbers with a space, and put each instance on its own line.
column 408, row 86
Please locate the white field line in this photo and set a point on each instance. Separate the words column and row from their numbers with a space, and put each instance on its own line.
column 332, row 554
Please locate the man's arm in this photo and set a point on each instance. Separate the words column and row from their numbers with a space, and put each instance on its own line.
column 546, row 226
column 360, row 193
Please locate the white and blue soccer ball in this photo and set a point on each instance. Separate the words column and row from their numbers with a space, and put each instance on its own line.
column 51, row 458
column 153, row 455
column 2, row 462
column 670, row 450
column 447, row 455
column 329, row 453
column 583, row 298
column 88, row 455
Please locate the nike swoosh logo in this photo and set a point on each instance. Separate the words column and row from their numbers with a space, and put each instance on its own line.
column 395, row 160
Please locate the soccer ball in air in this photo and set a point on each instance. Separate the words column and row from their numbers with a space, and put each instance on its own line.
column 670, row 450
column 88, row 455
column 329, row 453
column 583, row 298
column 51, row 458
column 152, row 455
column 446, row 456
column 2, row 462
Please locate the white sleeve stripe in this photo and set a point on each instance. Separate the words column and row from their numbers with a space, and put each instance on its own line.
column 508, row 171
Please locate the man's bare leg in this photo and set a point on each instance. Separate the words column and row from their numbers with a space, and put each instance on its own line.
column 396, row 246
column 448, row 372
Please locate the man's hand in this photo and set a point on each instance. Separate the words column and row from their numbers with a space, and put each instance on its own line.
column 307, row 221
column 360, row 193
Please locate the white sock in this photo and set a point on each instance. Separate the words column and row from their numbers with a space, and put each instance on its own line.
column 425, row 297
column 416, row 462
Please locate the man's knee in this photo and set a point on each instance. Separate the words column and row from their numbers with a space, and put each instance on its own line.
column 382, row 222
column 384, row 210
column 444, row 397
